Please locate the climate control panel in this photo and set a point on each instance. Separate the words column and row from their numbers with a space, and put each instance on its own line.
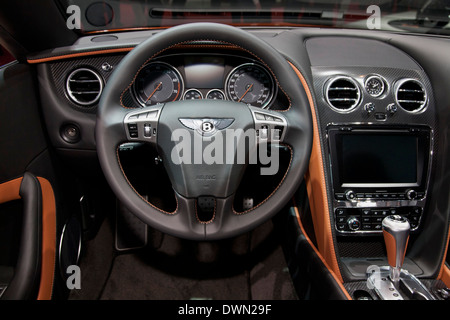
column 360, row 220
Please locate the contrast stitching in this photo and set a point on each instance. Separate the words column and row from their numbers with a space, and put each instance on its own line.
column 210, row 220
column 153, row 206
column 275, row 190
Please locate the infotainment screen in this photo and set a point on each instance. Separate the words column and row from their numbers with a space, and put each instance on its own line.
column 378, row 158
column 381, row 158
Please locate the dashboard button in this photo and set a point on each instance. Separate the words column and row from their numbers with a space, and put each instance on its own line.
column 380, row 116
column 377, row 226
column 259, row 116
column 367, row 226
column 132, row 126
column 339, row 196
column 340, row 219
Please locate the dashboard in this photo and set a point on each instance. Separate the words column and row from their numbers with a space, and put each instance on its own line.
column 375, row 111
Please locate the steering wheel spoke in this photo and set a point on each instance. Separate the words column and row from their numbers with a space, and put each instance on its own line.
column 270, row 126
column 142, row 125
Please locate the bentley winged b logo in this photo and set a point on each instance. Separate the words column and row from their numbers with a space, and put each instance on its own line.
column 206, row 127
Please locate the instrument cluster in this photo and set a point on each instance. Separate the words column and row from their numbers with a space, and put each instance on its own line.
column 214, row 77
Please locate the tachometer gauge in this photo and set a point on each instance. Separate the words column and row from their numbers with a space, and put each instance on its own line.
column 158, row 82
column 251, row 84
column 374, row 86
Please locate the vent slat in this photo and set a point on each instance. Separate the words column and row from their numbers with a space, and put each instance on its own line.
column 85, row 92
column 83, row 81
column 411, row 101
column 411, row 95
column 409, row 90
column 84, row 86
column 342, row 88
column 342, row 99
column 343, row 94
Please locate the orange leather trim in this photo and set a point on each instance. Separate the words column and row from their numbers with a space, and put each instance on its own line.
column 391, row 248
column 317, row 192
column 123, row 30
column 48, row 240
column 9, row 190
column 78, row 55
column 117, row 50
column 338, row 280
column 444, row 274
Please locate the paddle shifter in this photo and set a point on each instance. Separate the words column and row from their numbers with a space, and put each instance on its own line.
column 396, row 234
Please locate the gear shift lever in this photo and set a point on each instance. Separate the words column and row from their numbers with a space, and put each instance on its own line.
column 396, row 235
column 386, row 280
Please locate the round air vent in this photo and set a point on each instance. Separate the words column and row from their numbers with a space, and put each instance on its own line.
column 411, row 95
column 84, row 86
column 342, row 93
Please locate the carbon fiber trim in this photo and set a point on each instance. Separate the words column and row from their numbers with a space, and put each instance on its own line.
column 327, row 116
column 60, row 71
column 358, row 287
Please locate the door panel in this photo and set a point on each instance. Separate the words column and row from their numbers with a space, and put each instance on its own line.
column 27, row 272
column 21, row 135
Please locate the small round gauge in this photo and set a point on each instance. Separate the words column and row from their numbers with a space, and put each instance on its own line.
column 192, row 94
column 215, row 94
column 251, row 84
column 374, row 86
column 158, row 82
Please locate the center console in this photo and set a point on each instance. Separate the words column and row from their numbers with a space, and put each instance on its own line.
column 377, row 171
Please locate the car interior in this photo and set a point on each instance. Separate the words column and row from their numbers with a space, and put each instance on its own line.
column 279, row 150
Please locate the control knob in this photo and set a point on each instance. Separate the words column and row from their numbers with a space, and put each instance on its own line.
column 350, row 195
column 354, row 224
column 411, row 194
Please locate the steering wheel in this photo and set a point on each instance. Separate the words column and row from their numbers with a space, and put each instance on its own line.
column 160, row 124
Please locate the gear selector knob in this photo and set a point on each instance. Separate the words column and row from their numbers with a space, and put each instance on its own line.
column 396, row 235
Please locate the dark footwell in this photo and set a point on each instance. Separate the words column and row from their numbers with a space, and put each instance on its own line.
column 249, row 267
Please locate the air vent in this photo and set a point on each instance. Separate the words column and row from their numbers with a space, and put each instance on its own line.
column 342, row 93
column 411, row 95
column 84, row 86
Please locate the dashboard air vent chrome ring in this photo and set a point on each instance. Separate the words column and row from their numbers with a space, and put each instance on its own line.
column 411, row 95
column 342, row 93
column 84, row 86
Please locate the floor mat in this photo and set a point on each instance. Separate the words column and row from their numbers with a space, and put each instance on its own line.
column 249, row 267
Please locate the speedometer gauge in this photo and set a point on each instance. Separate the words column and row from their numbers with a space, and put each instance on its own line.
column 251, row 84
column 158, row 82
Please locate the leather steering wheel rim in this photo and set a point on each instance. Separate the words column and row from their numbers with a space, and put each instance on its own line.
column 111, row 132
